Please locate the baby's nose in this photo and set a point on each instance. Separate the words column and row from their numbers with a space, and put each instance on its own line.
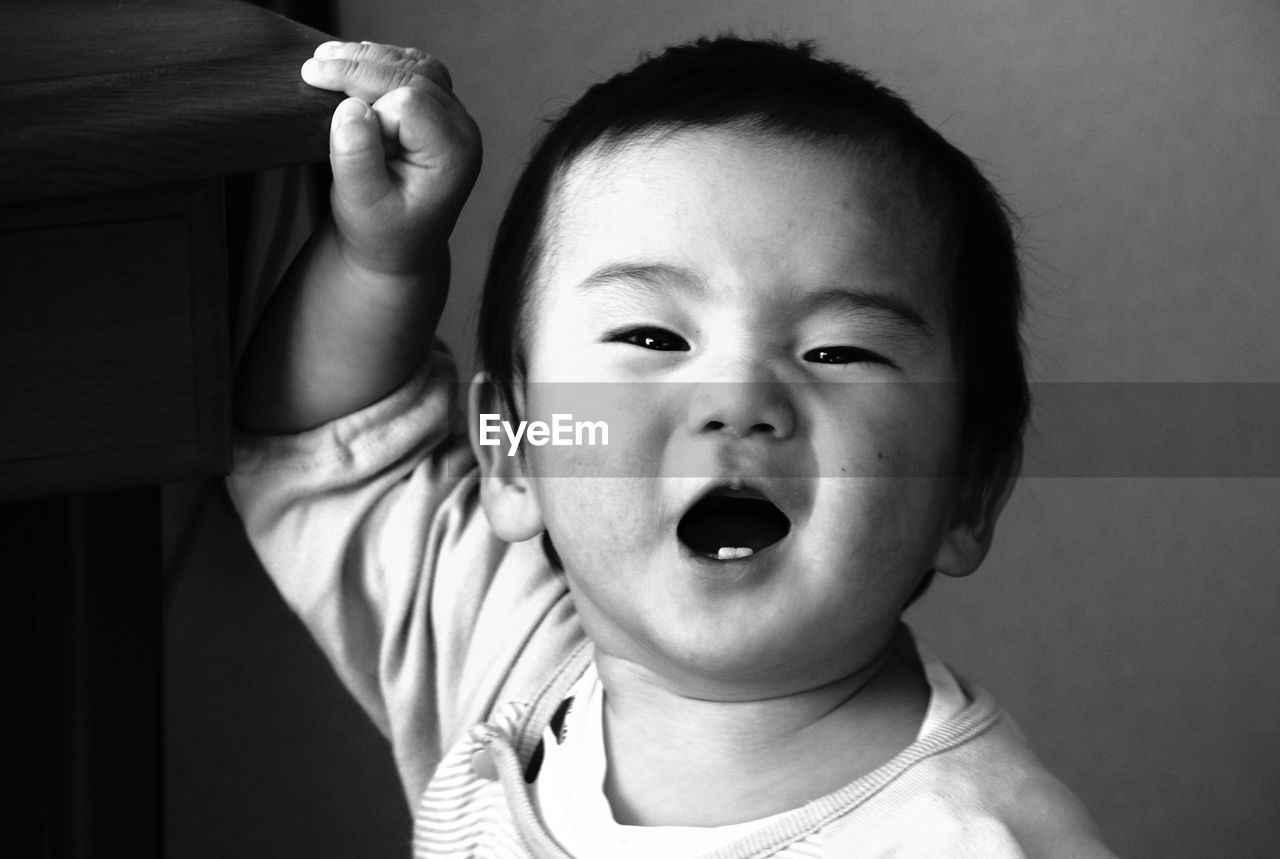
column 741, row 409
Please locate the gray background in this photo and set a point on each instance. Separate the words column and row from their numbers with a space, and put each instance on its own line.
column 1130, row 625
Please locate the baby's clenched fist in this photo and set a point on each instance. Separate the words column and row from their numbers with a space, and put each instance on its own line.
column 404, row 152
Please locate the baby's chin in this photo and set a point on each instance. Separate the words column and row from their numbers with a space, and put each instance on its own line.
column 731, row 635
column 734, row 670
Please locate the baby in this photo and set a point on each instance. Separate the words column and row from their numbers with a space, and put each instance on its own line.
column 687, row 640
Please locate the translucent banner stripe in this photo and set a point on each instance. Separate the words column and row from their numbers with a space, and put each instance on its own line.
column 1078, row 429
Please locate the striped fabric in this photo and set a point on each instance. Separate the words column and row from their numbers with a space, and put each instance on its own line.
column 466, row 810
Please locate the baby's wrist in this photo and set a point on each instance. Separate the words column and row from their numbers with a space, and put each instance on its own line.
column 428, row 263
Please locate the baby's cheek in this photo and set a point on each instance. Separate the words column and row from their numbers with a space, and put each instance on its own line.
column 599, row 520
column 890, row 429
column 598, row 430
column 888, row 524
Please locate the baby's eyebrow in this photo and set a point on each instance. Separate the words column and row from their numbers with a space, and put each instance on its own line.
column 888, row 310
column 658, row 277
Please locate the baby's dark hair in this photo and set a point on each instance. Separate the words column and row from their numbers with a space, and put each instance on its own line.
column 783, row 90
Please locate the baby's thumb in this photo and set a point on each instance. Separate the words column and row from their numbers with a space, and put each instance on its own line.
column 357, row 155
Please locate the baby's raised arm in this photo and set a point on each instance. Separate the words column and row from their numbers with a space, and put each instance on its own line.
column 355, row 314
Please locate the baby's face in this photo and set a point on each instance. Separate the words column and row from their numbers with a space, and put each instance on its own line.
column 761, row 515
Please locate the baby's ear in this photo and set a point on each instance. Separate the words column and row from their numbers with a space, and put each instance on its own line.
column 979, row 501
column 505, row 490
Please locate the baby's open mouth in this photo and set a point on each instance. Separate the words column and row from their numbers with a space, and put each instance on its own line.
column 727, row 524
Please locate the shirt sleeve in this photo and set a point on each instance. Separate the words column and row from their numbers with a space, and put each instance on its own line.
column 371, row 528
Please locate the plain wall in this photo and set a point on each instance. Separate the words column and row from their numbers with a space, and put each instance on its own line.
column 1129, row 624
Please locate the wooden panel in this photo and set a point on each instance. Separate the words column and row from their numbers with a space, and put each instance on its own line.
column 144, row 93
column 113, row 341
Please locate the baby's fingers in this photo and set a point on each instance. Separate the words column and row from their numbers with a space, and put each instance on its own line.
column 368, row 71
column 356, row 153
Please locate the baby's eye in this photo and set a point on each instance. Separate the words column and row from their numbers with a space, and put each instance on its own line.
column 845, row 355
column 657, row 339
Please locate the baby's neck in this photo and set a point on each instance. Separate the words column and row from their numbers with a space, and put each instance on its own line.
column 679, row 761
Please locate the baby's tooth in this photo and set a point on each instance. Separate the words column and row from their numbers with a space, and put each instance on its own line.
column 732, row 553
